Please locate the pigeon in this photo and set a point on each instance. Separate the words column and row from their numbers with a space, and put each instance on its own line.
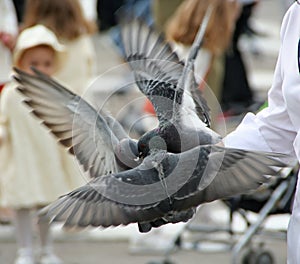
column 164, row 187
column 168, row 172
column 165, row 79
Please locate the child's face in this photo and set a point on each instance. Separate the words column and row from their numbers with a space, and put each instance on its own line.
column 40, row 57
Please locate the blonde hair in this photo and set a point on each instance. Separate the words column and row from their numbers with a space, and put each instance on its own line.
column 182, row 27
column 64, row 17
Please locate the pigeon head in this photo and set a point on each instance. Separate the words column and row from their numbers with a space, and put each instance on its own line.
column 126, row 154
column 151, row 140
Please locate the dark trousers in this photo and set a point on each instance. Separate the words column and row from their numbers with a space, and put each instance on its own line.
column 236, row 89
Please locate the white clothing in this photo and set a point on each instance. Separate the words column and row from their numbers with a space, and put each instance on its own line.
column 89, row 8
column 79, row 68
column 277, row 128
column 8, row 24
column 35, row 169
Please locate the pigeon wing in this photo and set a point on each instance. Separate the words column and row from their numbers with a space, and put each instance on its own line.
column 154, row 189
column 111, row 200
column 224, row 172
column 74, row 122
column 156, row 67
column 188, row 80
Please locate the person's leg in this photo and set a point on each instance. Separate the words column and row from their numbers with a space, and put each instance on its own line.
column 24, row 235
column 46, row 255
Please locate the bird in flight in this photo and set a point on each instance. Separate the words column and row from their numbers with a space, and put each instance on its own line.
column 160, row 178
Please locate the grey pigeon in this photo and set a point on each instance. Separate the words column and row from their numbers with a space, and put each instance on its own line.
column 163, row 187
column 164, row 79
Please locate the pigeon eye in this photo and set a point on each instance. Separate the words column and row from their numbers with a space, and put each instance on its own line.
column 143, row 145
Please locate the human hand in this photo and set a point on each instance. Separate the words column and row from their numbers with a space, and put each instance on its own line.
column 8, row 40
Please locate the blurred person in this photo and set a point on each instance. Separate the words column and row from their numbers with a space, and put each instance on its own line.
column 183, row 26
column 162, row 10
column 89, row 9
column 8, row 34
column 33, row 171
column 181, row 30
column 129, row 9
column 110, row 12
column 67, row 20
column 19, row 6
column 248, row 6
column 277, row 127
column 106, row 10
column 237, row 95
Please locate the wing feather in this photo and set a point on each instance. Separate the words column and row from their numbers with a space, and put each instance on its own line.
column 75, row 123
column 120, row 199
column 156, row 67
column 237, row 171
column 160, row 73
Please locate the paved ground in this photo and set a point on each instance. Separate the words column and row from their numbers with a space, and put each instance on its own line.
column 111, row 246
column 87, row 252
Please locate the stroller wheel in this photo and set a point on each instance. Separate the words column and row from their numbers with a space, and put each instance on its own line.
column 264, row 257
column 260, row 257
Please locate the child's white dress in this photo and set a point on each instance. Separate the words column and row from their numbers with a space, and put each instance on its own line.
column 35, row 169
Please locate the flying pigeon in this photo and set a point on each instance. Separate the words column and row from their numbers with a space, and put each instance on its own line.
column 164, row 188
column 165, row 80
column 161, row 178
column 184, row 118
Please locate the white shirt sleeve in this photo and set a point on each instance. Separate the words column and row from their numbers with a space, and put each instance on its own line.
column 271, row 129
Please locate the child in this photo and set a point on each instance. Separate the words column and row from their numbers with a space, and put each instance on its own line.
column 66, row 19
column 32, row 171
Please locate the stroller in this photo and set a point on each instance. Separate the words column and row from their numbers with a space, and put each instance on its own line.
column 273, row 198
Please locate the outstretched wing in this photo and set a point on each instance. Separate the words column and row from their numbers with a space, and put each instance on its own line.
column 75, row 123
column 228, row 172
column 163, row 184
column 156, row 67
column 99, row 204
column 159, row 73
column 188, row 80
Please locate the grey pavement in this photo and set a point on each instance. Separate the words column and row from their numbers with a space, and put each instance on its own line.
column 112, row 245
column 87, row 252
column 94, row 247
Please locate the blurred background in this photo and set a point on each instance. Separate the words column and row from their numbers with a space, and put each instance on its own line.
column 112, row 88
